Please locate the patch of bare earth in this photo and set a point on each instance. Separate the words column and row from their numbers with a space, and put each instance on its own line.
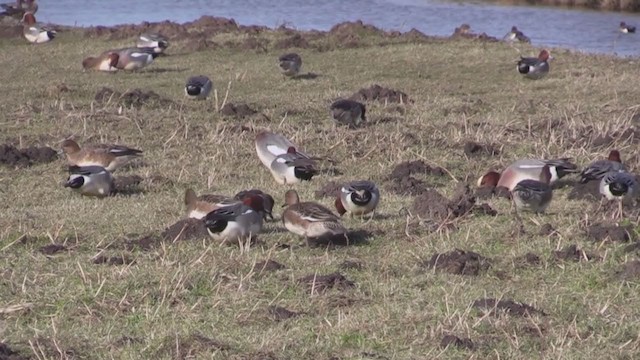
column 458, row 262
column 316, row 284
column 14, row 157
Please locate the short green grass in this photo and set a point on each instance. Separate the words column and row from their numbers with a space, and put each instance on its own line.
column 201, row 300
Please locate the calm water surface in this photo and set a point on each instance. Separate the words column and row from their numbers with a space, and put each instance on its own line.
column 584, row 30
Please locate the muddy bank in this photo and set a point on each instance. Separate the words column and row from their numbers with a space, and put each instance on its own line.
column 610, row 5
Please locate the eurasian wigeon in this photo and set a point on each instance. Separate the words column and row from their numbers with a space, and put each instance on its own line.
column 158, row 42
column 528, row 169
column 535, row 68
column 348, row 112
column 310, row 219
column 267, row 200
column 90, row 180
column 199, row 206
column 235, row 222
column 34, row 32
column 290, row 64
column 18, row 8
column 534, row 195
column 358, row 198
column 597, row 169
column 625, row 28
column 111, row 157
column 286, row 163
column 516, row 35
column 133, row 58
column 620, row 186
column 198, row 87
column 105, row 62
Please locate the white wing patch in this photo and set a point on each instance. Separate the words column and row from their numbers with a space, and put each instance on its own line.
column 276, row 150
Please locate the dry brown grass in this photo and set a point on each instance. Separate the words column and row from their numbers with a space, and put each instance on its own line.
column 198, row 299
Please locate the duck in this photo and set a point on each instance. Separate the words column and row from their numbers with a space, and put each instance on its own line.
column 619, row 186
column 34, row 32
column 535, row 68
column 287, row 164
column 310, row 219
column 19, row 8
column 290, row 64
column 626, row 29
column 533, row 195
column 235, row 222
column 105, row 62
column 133, row 58
column 528, row 169
column 111, row 157
column 198, row 87
column 90, row 181
column 516, row 35
column 597, row 169
column 359, row 197
column 158, row 42
column 199, row 206
column 348, row 112
column 267, row 200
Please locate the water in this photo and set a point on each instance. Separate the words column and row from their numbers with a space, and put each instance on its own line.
column 583, row 30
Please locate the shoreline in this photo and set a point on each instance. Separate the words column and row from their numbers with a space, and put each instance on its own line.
column 625, row 6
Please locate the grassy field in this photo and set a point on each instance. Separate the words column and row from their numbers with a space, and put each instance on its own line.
column 196, row 299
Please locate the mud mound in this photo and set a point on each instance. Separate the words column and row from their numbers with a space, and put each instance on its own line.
column 527, row 260
column 630, row 270
column 52, row 249
column 382, row 94
column 253, row 43
column 330, row 190
column 408, row 168
column 407, row 186
column 205, row 25
column 415, row 35
column 134, row 98
column 6, row 353
column 278, row 313
column 547, row 230
column 352, row 238
column 188, row 347
column 599, row 233
column 454, row 341
column 240, row 110
column 319, row 283
column 484, row 209
column 144, row 242
column 472, row 148
column 433, row 205
column 357, row 28
column 295, row 41
column 458, row 262
column 572, row 253
column 632, row 247
column 508, row 306
column 589, row 191
column 197, row 43
column 187, row 229
column 11, row 156
column 114, row 260
column 268, row 265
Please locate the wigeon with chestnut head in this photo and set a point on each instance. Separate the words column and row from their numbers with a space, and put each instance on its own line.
column 626, row 28
column 111, row 157
column 348, row 112
column 90, row 181
column 198, row 87
column 290, row 64
column 267, row 200
column 34, row 32
column 235, row 223
column 358, row 198
column 619, row 186
column 158, row 42
column 534, row 195
column 133, row 58
column 286, row 163
column 531, row 169
column 310, row 219
column 105, row 62
column 535, row 68
column 597, row 169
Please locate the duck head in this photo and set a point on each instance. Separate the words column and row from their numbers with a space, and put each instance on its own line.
column 489, row 179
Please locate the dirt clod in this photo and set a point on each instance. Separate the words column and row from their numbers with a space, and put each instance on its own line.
column 239, row 110
column 527, row 260
column 484, row 209
column 330, row 190
column 12, row 156
column 599, row 233
column 6, row 353
column 52, row 249
column 268, row 265
column 452, row 340
column 572, row 253
column 187, row 229
column 472, row 148
column 279, row 313
column 407, row 186
column 508, row 306
column 320, row 283
column 382, row 94
column 433, row 205
column 547, row 230
column 114, row 260
column 630, row 270
column 458, row 262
